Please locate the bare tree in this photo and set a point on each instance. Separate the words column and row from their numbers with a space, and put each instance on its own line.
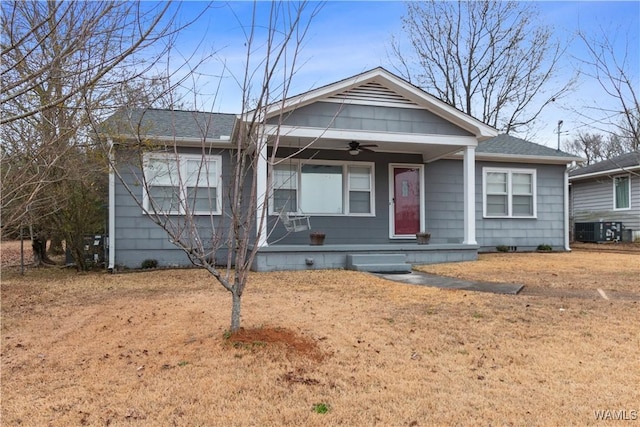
column 596, row 147
column 62, row 62
column 173, row 185
column 491, row 59
column 617, row 74
column 76, row 44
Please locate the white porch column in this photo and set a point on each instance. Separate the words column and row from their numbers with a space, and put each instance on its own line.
column 261, row 192
column 112, row 210
column 469, row 177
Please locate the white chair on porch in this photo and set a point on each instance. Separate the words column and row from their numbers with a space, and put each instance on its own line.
column 294, row 223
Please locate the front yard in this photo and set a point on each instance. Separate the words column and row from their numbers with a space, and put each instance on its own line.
column 149, row 348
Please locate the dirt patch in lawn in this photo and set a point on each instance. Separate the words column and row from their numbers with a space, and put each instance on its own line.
column 277, row 337
column 151, row 349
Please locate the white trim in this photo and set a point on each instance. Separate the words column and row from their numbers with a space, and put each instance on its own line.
column 370, row 136
column 523, row 158
column 628, row 176
column 182, row 160
column 298, row 163
column 112, row 209
column 509, row 172
column 518, row 158
column 180, row 141
column 420, row 168
column 604, row 173
column 567, row 223
column 469, row 183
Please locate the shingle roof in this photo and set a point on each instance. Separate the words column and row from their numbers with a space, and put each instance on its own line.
column 170, row 123
column 507, row 144
column 629, row 160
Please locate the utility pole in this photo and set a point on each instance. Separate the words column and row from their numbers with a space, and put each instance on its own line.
column 559, row 126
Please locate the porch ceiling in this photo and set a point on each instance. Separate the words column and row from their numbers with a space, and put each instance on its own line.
column 429, row 151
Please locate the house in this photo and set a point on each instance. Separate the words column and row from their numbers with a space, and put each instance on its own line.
column 608, row 191
column 385, row 161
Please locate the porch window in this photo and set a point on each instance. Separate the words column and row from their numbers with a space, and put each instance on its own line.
column 285, row 188
column 622, row 192
column 181, row 184
column 509, row 193
column 359, row 189
column 323, row 187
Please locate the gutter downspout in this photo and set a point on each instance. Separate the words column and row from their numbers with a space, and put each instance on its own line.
column 566, row 209
column 112, row 210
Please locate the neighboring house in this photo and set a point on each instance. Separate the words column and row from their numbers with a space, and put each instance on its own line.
column 421, row 165
column 608, row 191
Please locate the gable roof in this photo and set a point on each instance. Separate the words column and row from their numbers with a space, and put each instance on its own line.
column 628, row 161
column 507, row 147
column 170, row 124
column 381, row 87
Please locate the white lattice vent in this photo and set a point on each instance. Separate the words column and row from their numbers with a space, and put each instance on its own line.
column 375, row 93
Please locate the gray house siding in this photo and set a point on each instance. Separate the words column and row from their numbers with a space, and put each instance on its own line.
column 330, row 115
column 444, row 208
column 137, row 238
column 592, row 201
column 444, row 201
column 526, row 234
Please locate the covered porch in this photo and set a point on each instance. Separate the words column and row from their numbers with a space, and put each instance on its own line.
column 362, row 158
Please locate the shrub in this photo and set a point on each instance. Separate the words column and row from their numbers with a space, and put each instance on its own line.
column 149, row 263
column 502, row 248
column 545, row 248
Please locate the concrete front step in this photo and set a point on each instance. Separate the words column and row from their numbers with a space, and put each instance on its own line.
column 378, row 263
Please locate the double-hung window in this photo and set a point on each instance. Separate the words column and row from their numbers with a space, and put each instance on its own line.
column 182, row 184
column 509, row 193
column 621, row 192
column 315, row 187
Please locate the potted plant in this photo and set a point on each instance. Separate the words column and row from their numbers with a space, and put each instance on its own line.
column 423, row 237
column 317, row 238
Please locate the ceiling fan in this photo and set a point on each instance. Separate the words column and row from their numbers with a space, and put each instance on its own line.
column 355, row 147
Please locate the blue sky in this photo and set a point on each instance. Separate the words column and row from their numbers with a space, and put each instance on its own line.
column 348, row 37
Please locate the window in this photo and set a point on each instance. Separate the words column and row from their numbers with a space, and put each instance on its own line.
column 621, row 192
column 323, row 187
column 509, row 193
column 359, row 189
column 181, row 184
column 285, row 187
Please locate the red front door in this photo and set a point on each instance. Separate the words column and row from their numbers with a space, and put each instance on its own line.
column 406, row 197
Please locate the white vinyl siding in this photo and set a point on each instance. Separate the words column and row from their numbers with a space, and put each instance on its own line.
column 317, row 187
column 509, row 193
column 182, row 184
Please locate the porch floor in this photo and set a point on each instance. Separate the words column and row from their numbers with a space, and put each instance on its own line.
column 307, row 257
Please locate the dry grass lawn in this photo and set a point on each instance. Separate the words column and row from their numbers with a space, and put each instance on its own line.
column 148, row 348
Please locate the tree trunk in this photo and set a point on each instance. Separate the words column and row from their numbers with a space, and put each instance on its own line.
column 235, row 312
column 39, row 246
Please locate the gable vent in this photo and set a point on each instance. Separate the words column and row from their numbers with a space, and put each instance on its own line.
column 373, row 93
